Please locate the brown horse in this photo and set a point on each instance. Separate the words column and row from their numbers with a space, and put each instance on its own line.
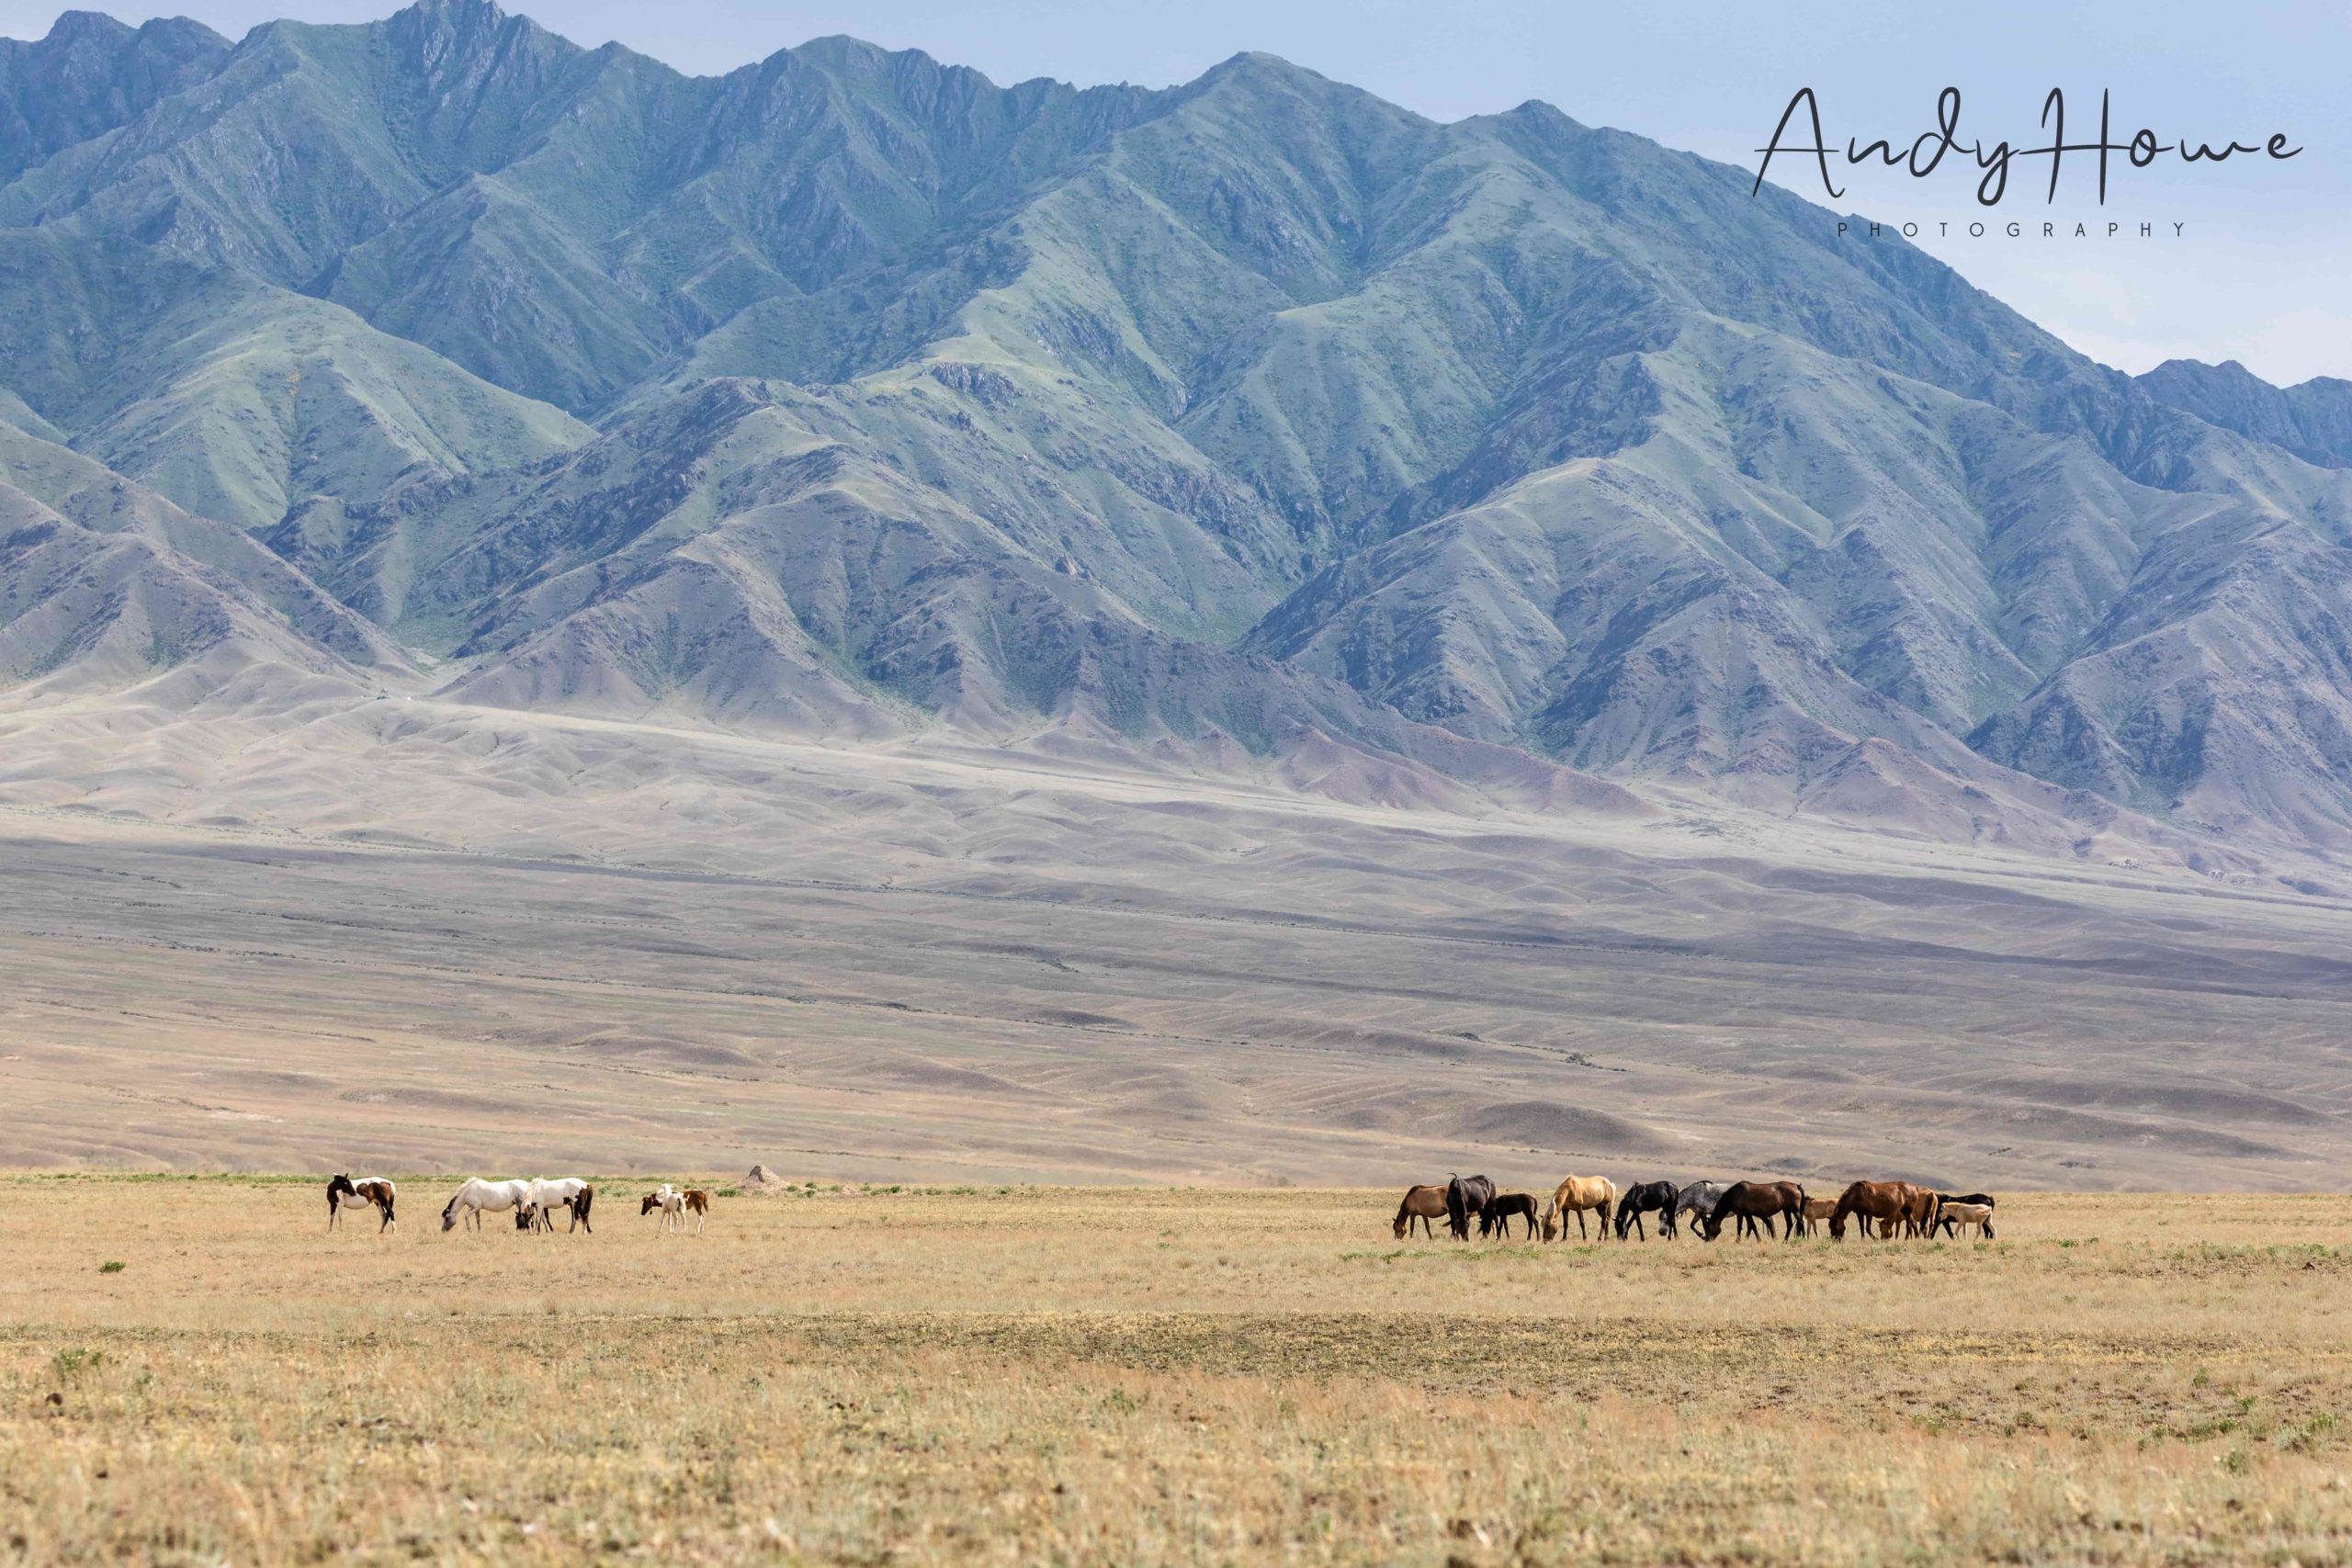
column 1817, row 1210
column 1425, row 1203
column 1889, row 1202
column 1575, row 1195
column 1762, row 1202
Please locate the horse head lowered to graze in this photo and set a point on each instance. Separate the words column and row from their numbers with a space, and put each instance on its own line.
column 1424, row 1202
column 361, row 1192
column 1762, row 1202
column 1465, row 1196
column 1698, row 1199
column 1646, row 1197
column 477, row 1196
column 1575, row 1195
column 1497, row 1216
column 1889, row 1202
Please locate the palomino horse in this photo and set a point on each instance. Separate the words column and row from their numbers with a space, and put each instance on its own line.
column 364, row 1192
column 1889, row 1202
column 1953, row 1208
column 478, row 1195
column 1761, row 1200
column 1640, row 1199
column 1575, row 1195
column 1425, row 1203
column 1698, row 1199
column 1977, row 1215
column 566, row 1193
column 1465, row 1196
column 1497, row 1216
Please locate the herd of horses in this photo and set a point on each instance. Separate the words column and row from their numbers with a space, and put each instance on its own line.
column 1754, row 1208
column 534, row 1201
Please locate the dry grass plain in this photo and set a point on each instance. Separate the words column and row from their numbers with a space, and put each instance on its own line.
column 1134, row 1376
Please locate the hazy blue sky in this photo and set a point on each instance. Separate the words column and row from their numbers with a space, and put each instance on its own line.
column 2260, row 277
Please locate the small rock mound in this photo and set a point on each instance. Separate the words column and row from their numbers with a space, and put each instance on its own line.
column 761, row 1180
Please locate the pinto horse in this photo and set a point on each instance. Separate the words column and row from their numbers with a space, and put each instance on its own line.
column 1465, row 1196
column 566, row 1192
column 364, row 1192
column 1760, row 1200
column 477, row 1195
column 1425, row 1203
column 1641, row 1198
column 1575, row 1195
column 671, row 1204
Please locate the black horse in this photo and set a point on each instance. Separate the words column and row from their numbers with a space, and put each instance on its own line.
column 1465, row 1196
column 1642, row 1195
column 1945, row 1225
column 1496, row 1215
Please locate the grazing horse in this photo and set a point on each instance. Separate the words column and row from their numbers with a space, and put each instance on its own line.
column 1639, row 1198
column 478, row 1195
column 671, row 1202
column 365, row 1192
column 1760, row 1201
column 568, row 1192
column 1815, row 1210
column 1465, row 1196
column 1946, row 1202
column 1698, row 1199
column 1425, row 1203
column 1575, row 1195
column 1497, row 1216
column 1888, row 1202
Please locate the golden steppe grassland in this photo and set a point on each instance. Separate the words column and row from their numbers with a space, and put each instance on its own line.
column 1132, row 1376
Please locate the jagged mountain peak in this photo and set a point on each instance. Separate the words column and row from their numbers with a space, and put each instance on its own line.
column 1180, row 416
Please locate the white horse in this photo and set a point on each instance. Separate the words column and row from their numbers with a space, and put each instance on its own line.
column 478, row 1195
column 672, row 1204
column 568, row 1192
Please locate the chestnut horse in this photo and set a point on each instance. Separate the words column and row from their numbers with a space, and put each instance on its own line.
column 1575, row 1195
column 1817, row 1210
column 1425, row 1203
column 1889, row 1202
column 1760, row 1201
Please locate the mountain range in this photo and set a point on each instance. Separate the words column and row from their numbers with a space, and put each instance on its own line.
column 850, row 396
